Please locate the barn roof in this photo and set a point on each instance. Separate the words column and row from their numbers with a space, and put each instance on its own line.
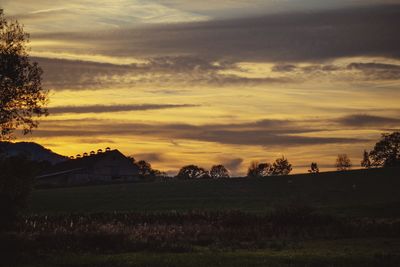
column 79, row 163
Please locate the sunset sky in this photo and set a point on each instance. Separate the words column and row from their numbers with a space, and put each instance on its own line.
column 179, row 82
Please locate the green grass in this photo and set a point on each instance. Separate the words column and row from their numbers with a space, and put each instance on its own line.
column 375, row 194
column 364, row 252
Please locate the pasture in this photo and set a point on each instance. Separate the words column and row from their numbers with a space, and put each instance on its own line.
column 366, row 193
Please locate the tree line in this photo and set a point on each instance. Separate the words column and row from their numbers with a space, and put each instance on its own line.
column 386, row 153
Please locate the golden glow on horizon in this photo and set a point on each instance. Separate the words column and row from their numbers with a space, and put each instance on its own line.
column 231, row 99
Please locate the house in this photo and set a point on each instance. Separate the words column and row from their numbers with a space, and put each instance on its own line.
column 100, row 167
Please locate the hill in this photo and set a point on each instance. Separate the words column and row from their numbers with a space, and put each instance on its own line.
column 32, row 150
column 371, row 192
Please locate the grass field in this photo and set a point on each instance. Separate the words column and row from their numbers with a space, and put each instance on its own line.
column 356, row 193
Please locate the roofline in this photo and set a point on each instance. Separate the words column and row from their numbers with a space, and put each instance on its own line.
column 57, row 173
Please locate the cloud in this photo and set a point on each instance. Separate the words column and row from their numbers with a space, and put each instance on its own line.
column 290, row 37
column 61, row 74
column 150, row 157
column 233, row 165
column 113, row 108
column 377, row 71
column 261, row 133
column 364, row 120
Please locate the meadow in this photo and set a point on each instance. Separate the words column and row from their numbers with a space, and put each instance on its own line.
column 368, row 193
column 328, row 219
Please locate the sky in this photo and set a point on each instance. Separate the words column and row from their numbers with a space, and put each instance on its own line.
column 179, row 82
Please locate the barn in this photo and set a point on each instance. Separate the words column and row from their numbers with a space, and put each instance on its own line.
column 102, row 167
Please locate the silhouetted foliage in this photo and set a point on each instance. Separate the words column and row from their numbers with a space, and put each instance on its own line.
column 281, row 166
column 386, row 152
column 314, row 168
column 219, row 171
column 366, row 162
column 145, row 169
column 16, row 177
column 21, row 94
column 343, row 162
column 259, row 169
column 192, row 172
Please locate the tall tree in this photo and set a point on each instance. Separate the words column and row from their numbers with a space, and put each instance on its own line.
column 22, row 98
column 343, row 162
column 386, row 152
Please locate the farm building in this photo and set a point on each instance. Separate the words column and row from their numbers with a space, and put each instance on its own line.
column 100, row 167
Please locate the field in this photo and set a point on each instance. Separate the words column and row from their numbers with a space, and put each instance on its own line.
column 369, row 193
column 329, row 219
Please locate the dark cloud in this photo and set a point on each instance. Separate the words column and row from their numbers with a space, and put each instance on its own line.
column 262, row 133
column 377, row 71
column 291, row 37
column 62, row 74
column 284, row 68
column 96, row 141
column 113, row 108
column 150, row 157
column 364, row 120
column 233, row 165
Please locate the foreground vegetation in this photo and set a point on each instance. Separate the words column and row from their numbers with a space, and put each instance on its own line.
column 289, row 236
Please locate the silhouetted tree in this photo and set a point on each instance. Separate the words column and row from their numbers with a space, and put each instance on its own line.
column 192, row 172
column 132, row 159
column 22, row 97
column 314, row 168
column 145, row 169
column 366, row 162
column 281, row 166
column 343, row 162
column 219, row 171
column 259, row 169
column 386, row 152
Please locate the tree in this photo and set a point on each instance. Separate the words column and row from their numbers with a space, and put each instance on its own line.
column 145, row 169
column 22, row 97
column 386, row 152
column 343, row 162
column 192, row 172
column 259, row 169
column 219, row 171
column 366, row 162
column 281, row 166
column 313, row 168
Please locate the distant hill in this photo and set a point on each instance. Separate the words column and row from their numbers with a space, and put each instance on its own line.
column 32, row 150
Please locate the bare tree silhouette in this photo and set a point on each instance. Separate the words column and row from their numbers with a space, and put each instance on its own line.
column 343, row 162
